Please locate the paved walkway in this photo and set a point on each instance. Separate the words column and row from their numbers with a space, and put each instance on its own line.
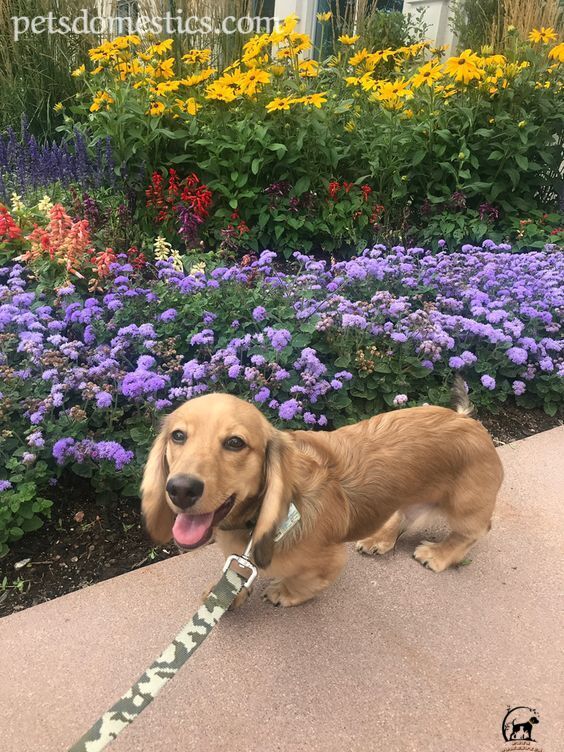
column 392, row 658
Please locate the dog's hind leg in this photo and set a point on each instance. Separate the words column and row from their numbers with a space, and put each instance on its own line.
column 469, row 519
column 301, row 587
column 384, row 539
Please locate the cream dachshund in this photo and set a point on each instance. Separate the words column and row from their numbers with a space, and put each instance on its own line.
column 218, row 469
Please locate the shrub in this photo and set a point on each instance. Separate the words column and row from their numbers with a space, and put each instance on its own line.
column 84, row 378
column 413, row 128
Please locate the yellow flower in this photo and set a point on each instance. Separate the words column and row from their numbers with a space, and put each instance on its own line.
column 358, row 57
column 427, row 74
column 189, row 106
column 165, row 68
column 17, row 203
column 316, row 99
column 439, row 51
column 101, row 100
column 96, row 70
column 285, row 28
column 161, row 48
column 79, row 71
column 350, row 126
column 197, row 56
column 277, row 70
column 125, row 69
column 557, row 53
column 220, row 92
column 352, row 81
column 251, row 80
column 156, row 109
column 254, row 47
column 279, row 103
column 45, row 205
column 521, row 124
column 497, row 60
column 367, row 82
column 58, row 107
column 543, row 35
column 392, row 90
column 308, row 68
column 198, row 78
column 165, row 87
column 464, row 67
column 322, row 17
column 346, row 39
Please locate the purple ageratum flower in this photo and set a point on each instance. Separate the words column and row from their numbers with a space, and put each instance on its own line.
column 488, row 382
column 546, row 364
column 259, row 313
column 519, row 388
column 279, row 338
column 169, row 315
column 205, row 337
column 400, row 399
column 62, row 448
column 162, row 404
column 28, row 458
column 468, row 357
column 234, row 371
column 309, row 418
column 145, row 362
column 5, row 485
column 103, row 399
column 353, row 321
column 322, row 420
column 289, row 409
column 517, row 355
column 36, row 440
column 262, row 395
column 456, row 362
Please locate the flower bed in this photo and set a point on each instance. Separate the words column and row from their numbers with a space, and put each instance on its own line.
column 464, row 147
column 85, row 377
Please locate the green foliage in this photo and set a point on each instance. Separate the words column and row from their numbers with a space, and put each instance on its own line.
column 35, row 69
column 472, row 20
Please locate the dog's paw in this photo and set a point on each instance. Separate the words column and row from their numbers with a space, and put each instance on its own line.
column 279, row 595
column 430, row 556
column 241, row 598
column 370, row 546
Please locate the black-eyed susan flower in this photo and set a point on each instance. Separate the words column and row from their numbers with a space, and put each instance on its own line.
column 544, row 35
column 349, row 40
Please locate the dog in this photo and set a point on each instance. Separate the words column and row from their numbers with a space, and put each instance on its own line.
column 219, row 470
column 526, row 729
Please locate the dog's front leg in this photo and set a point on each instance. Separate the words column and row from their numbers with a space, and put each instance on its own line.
column 303, row 586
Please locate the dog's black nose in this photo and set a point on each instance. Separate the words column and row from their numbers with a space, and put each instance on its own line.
column 184, row 490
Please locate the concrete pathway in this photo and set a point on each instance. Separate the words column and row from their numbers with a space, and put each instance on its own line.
column 393, row 657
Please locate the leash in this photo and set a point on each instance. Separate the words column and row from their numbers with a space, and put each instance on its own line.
column 171, row 660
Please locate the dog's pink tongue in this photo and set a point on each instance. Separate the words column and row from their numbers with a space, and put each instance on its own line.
column 189, row 529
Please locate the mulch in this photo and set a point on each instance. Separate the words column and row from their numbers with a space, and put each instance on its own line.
column 84, row 543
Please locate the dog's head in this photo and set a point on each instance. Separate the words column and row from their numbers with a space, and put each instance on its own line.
column 217, row 462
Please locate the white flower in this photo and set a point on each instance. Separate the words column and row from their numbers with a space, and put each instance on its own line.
column 164, row 251
column 45, row 205
column 17, row 203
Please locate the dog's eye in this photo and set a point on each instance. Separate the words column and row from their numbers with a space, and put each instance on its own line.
column 179, row 437
column 234, row 443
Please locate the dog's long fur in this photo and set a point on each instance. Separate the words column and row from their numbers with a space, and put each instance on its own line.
column 363, row 482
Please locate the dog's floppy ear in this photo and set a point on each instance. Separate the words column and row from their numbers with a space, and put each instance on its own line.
column 277, row 497
column 158, row 516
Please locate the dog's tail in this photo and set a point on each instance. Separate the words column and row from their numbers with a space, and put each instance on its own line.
column 459, row 397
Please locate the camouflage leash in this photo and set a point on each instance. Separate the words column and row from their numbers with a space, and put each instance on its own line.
column 171, row 660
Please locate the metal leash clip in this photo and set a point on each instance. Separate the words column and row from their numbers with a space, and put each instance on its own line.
column 245, row 563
